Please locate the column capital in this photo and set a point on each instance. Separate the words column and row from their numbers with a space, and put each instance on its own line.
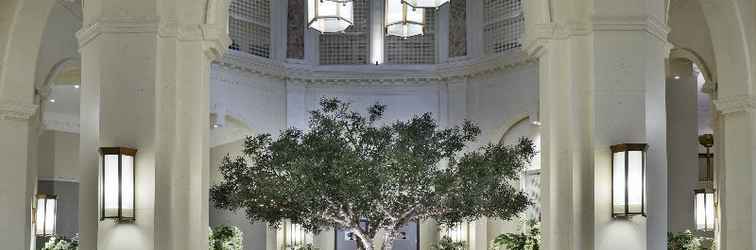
column 734, row 104
column 214, row 34
column 16, row 110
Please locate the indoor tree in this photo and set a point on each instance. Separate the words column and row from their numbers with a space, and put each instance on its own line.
column 348, row 168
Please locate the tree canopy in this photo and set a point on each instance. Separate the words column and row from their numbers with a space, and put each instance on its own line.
column 348, row 167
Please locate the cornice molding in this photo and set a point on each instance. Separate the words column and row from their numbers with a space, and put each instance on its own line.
column 650, row 24
column 371, row 74
column 735, row 104
column 16, row 110
column 545, row 32
column 214, row 34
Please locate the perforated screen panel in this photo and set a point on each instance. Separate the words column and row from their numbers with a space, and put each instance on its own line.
column 295, row 29
column 351, row 46
column 249, row 26
column 419, row 49
column 457, row 28
column 504, row 24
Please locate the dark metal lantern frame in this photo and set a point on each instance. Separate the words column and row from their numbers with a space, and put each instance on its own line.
column 626, row 148
column 120, row 151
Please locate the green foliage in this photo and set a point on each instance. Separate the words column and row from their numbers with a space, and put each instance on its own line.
column 446, row 243
column 225, row 238
column 688, row 241
column 61, row 243
column 307, row 246
column 349, row 167
column 520, row 241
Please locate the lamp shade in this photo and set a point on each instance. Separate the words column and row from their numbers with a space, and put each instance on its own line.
column 329, row 16
column 628, row 179
column 704, row 209
column 403, row 20
column 427, row 3
column 118, row 184
column 45, row 215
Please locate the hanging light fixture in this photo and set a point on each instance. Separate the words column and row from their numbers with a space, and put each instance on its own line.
column 329, row 16
column 403, row 20
column 45, row 215
column 426, row 3
column 704, row 209
column 628, row 179
column 118, row 184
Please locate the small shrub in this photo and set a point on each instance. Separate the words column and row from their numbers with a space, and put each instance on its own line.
column 446, row 243
column 61, row 243
column 520, row 241
column 688, row 241
column 225, row 238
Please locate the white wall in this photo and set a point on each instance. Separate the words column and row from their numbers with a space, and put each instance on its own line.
column 58, row 155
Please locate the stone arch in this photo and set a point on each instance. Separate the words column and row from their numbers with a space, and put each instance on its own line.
column 690, row 55
column 22, row 37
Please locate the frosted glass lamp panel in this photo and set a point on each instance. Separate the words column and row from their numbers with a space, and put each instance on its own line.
column 329, row 16
column 50, row 216
column 110, row 186
column 618, row 183
column 635, row 181
column 127, row 187
column 40, row 215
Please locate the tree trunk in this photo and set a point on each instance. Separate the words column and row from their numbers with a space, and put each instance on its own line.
column 388, row 239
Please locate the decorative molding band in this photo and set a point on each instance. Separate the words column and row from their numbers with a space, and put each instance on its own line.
column 213, row 33
column 734, row 104
column 60, row 122
column 371, row 74
column 16, row 110
column 59, row 179
column 649, row 24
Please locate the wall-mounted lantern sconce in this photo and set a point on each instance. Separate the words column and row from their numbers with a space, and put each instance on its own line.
column 295, row 236
column 117, row 193
column 45, row 215
column 704, row 209
column 628, row 179
column 329, row 16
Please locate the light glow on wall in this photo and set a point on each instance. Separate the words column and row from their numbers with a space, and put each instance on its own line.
column 296, row 236
column 403, row 20
column 628, row 179
column 704, row 209
column 118, row 184
column 329, row 16
column 459, row 232
column 45, row 215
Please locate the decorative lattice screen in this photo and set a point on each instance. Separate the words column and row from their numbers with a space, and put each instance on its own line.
column 353, row 45
column 457, row 28
column 504, row 24
column 413, row 50
column 295, row 29
column 249, row 26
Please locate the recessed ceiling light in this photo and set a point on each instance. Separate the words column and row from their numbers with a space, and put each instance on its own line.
column 216, row 126
column 537, row 123
column 76, row 86
column 677, row 77
column 52, row 100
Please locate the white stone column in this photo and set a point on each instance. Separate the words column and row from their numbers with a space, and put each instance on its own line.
column 736, row 191
column 145, row 84
column 475, row 28
column 18, row 180
column 602, row 83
